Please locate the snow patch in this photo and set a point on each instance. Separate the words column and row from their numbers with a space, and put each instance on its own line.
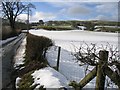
column 68, row 41
column 77, row 35
column 19, row 57
column 68, row 65
column 17, row 81
column 7, row 40
column 50, row 78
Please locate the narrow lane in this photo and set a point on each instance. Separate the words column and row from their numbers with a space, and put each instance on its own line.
column 7, row 53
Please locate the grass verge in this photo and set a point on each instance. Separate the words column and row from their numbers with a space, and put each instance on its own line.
column 34, row 59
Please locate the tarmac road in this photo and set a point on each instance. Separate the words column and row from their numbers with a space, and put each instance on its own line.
column 6, row 64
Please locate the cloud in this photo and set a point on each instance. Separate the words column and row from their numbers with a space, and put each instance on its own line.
column 94, row 10
column 60, row 4
column 75, row 10
column 51, row 1
column 43, row 16
column 38, row 16
column 101, row 0
column 107, row 11
column 64, row 4
column 78, row 10
column 107, row 7
column 103, row 17
column 22, row 17
column 100, row 10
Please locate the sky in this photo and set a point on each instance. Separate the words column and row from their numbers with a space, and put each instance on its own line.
column 73, row 11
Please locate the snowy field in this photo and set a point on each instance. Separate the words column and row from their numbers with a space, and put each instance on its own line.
column 69, row 69
column 66, row 39
column 69, row 41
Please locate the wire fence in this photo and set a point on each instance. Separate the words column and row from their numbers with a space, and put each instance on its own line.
column 70, row 66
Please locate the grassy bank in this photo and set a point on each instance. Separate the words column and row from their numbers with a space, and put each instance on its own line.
column 34, row 59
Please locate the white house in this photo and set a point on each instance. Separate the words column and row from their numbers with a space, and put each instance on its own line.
column 97, row 28
column 81, row 27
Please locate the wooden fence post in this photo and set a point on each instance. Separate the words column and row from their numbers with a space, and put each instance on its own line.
column 58, row 59
column 100, row 79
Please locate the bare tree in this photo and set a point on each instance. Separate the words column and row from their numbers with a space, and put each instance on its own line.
column 103, row 56
column 88, row 54
column 12, row 9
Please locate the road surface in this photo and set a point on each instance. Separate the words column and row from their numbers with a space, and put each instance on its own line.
column 6, row 64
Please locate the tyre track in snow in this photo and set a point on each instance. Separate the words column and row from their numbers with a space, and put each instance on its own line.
column 7, row 53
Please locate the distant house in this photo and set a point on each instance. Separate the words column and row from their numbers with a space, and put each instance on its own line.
column 81, row 27
column 105, row 28
column 98, row 29
column 45, row 23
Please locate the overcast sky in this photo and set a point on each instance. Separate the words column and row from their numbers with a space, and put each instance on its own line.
column 73, row 11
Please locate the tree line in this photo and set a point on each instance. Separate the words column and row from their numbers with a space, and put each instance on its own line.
column 11, row 10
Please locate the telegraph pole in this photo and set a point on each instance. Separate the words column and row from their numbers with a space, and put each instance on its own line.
column 28, row 15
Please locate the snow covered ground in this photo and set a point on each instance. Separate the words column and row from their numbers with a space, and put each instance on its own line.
column 68, row 41
column 50, row 78
column 7, row 40
column 76, row 35
column 6, row 53
column 69, row 66
column 69, row 69
column 19, row 57
column 3, row 42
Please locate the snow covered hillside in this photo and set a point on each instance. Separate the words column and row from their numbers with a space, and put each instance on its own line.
column 66, row 39
column 69, row 68
column 69, row 41
column 77, row 35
